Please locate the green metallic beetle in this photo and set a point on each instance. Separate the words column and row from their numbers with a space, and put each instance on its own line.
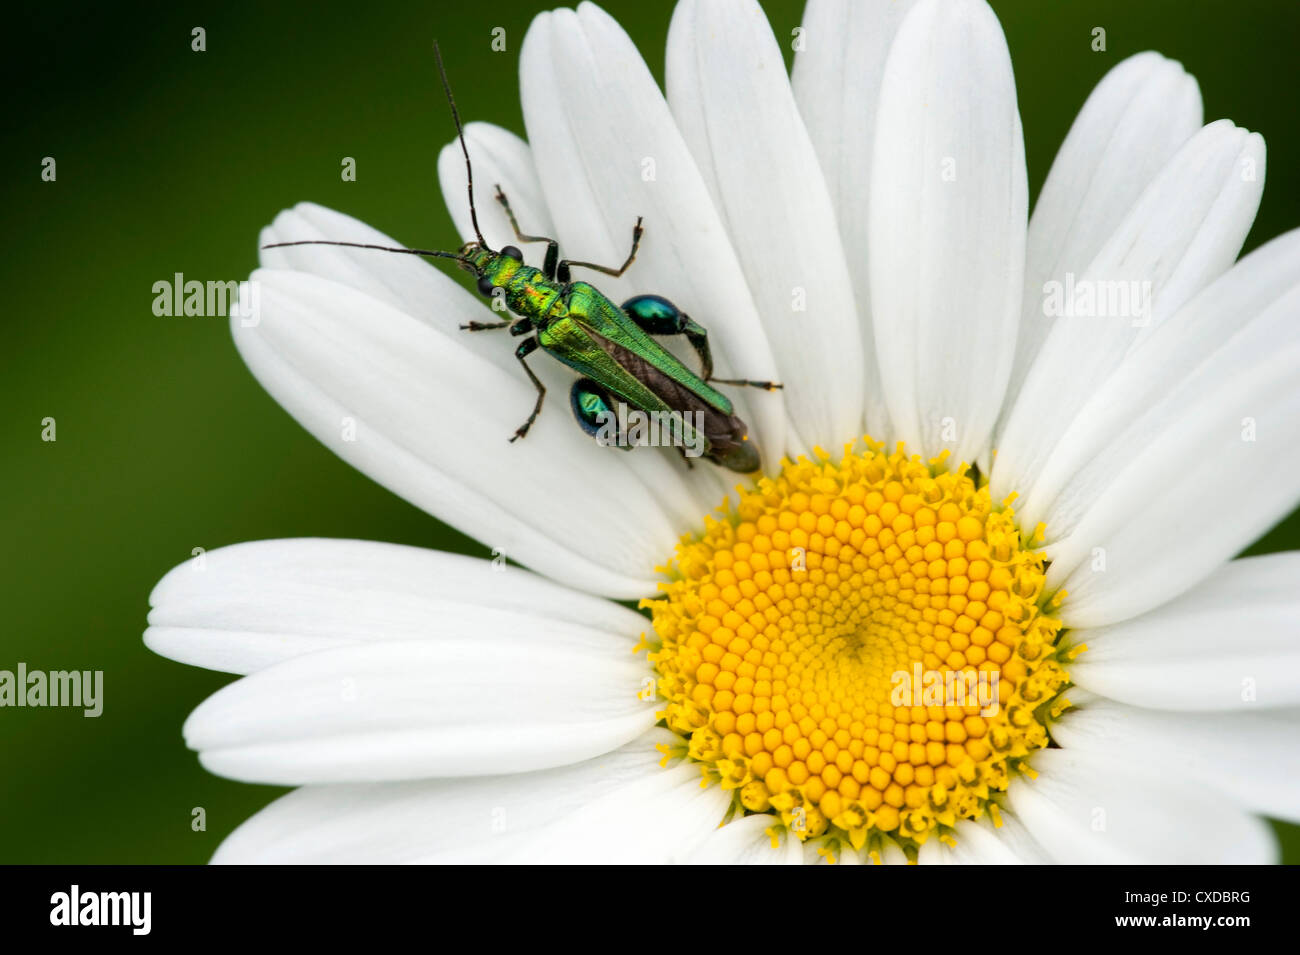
column 609, row 346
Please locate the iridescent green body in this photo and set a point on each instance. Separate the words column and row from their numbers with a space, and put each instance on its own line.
column 611, row 347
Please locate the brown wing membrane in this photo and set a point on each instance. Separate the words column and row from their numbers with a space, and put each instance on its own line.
column 724, row 432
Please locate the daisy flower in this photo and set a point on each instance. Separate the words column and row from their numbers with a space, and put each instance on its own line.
column 1053, row 482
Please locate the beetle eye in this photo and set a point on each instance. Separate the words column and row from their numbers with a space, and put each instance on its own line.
column 511, row 252
column 485, row 286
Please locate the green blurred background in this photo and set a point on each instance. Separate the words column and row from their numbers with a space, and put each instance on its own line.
column 170, row 161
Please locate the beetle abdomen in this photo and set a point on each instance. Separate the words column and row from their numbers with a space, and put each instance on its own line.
column 726, row 434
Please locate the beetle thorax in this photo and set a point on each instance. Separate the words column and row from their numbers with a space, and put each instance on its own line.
column 527, row 290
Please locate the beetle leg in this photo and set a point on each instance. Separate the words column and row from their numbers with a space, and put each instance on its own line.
column 483, row 326
column 593, row 409
column 765, row 385
column 698, row 337
column 552, row 246
column 526, row 348
column 562, row 271
column 655, row 315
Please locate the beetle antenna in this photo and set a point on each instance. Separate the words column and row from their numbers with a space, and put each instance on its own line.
column 382, row 248
column 460, row 134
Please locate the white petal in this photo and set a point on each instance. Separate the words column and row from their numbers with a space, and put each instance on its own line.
column 829, row 850
column 890, row 853
column 947, row 226
column 934, row 853
column 984, row 843
column 1195, row 480
column 1238, row 321
column 746, row 841
column 726, row 79
column 607, row 150
column 464, row 706
column 658, row 819
column 1254, row 757
column 1184, row 231
column 1228, row 644
column 408, row 283
column 836, row 80
column 431, row 422
column 501, row 159
column 435, row 821
column 248, row 606
column 1013, row 842
column 1087, row 808
column 1134, row 121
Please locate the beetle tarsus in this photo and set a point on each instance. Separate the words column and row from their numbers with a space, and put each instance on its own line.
column 765, row 385
column 637, row 231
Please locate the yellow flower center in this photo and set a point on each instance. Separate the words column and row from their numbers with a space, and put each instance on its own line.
column 862, row 649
